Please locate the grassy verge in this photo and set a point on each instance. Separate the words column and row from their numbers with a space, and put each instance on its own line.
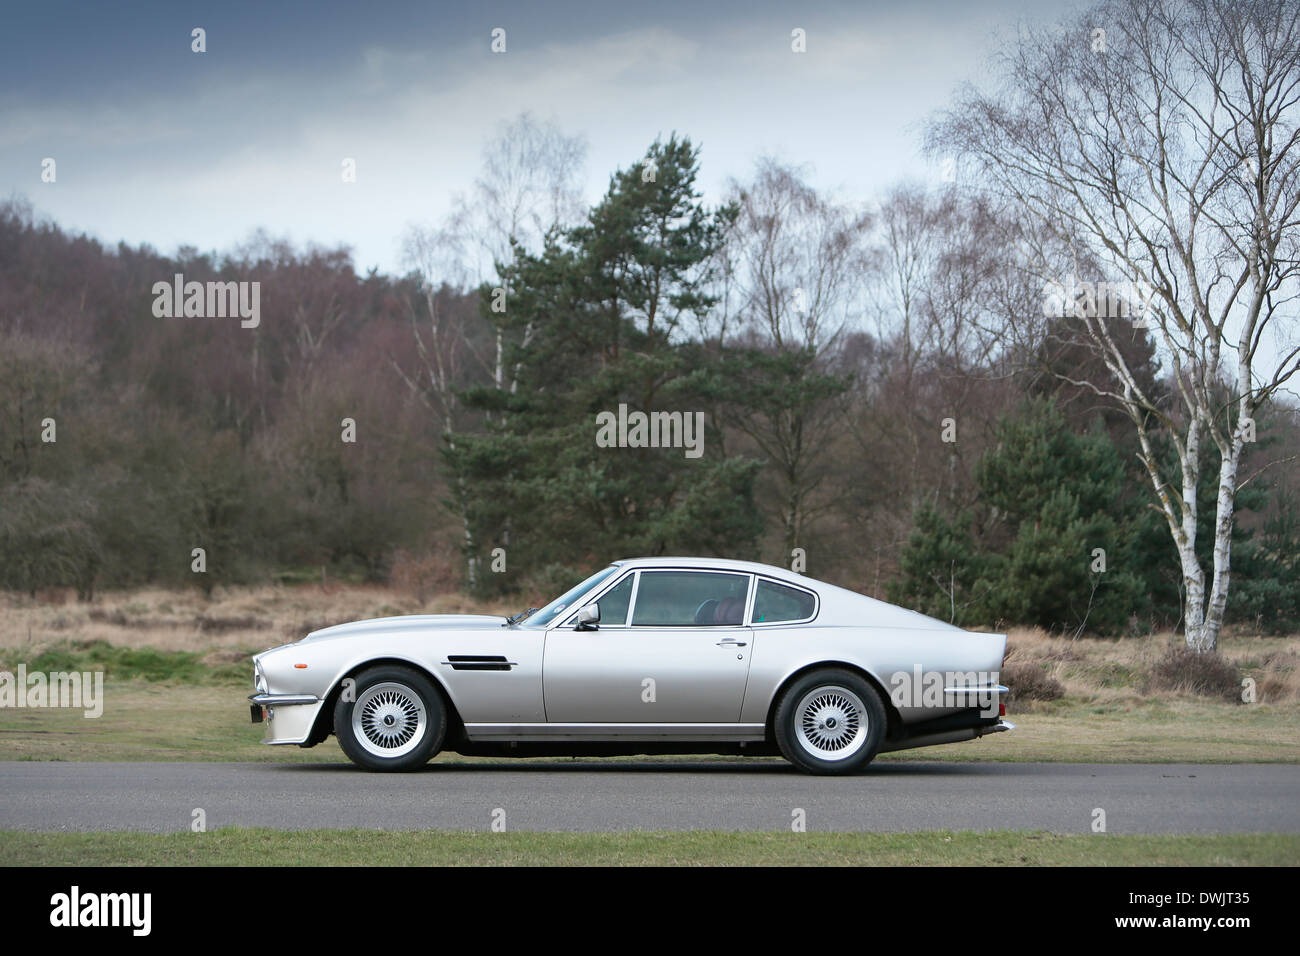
column 146, row 720
column 177, row 672
column 240, row 847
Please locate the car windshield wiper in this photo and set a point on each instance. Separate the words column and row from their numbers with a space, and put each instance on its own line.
column 520, row 616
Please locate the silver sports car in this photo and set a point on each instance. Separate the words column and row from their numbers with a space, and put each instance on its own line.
column 653, row 655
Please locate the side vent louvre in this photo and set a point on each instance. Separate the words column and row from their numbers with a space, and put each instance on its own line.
column 479, row 662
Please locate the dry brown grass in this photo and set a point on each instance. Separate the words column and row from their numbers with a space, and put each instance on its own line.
column 1117, row 671
column 236, row 619
column 1104, row 672
column 1105, row 714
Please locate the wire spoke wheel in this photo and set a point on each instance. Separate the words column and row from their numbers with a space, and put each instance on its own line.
column 832, row 723
column 389, row 719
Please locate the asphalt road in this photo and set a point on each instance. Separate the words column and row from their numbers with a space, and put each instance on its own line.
column 591, row 795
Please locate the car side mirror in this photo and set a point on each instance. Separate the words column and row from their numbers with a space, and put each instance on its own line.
column 589, row 618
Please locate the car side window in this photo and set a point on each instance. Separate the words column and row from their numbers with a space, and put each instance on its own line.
column 613, row 606
column 689, row 599
column 774, row 603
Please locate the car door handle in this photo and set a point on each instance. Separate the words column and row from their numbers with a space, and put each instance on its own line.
column 729, row 642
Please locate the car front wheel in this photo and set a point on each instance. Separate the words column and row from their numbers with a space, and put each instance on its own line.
column 394, row 719
column 830, row 721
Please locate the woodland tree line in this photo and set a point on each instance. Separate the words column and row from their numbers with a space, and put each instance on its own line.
column 888, row 404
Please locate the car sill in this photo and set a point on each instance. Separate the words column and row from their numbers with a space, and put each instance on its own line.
column 730, row 733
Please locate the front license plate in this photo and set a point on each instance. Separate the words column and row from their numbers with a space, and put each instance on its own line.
column 255, row 711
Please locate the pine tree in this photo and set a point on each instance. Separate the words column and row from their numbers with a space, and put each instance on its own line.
column 597, row 321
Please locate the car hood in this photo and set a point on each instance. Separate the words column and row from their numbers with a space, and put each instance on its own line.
column 408, row 622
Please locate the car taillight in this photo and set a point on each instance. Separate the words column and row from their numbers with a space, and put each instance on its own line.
column 1002, row 709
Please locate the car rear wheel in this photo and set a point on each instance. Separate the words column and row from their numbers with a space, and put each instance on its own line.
column 830, row 721
column 396, row 720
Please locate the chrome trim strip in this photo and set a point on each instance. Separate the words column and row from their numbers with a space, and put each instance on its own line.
column 978, row 689
column 749, row 613
column 283, row 700
column 595, row 594
column 749, row 590
column 636, row 587
column 751, row 597
column 479, row 662
column 631, row 601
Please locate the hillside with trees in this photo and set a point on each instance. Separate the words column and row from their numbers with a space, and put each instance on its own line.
column 877, row 409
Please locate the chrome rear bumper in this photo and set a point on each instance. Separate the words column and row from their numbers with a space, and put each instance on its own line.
column 1000, row 727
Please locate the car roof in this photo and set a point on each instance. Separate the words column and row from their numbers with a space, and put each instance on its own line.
column 838, row 605
column 749, row 567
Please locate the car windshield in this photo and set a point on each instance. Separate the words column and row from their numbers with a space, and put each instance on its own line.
column 551, row 613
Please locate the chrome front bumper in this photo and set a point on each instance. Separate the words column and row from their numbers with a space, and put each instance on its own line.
column 288, row 718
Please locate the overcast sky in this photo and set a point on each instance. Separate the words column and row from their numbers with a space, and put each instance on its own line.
column 157, row 144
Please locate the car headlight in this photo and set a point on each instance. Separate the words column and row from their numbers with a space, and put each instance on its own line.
column 259, row 679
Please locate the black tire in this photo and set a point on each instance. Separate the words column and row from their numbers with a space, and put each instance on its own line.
column 839, row 697
column 390, row 691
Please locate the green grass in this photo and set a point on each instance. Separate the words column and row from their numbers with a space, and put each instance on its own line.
column 151, row 720
column 145, row 721
column 237, row 846
column 181, row 705
column 1157, row 730
column 130, row 663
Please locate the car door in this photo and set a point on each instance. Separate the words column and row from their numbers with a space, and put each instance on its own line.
column 679, row 653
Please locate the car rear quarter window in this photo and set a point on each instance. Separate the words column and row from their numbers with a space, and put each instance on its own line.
column 690, row 599
column 775, row 603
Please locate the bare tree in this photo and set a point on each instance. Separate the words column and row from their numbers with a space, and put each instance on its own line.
column 1157, row 142
column 934, row 247
column 442, row 346
column 529, row 185
column 531, row 182
column 800, row 258
column 794, row 275
column 938, row 303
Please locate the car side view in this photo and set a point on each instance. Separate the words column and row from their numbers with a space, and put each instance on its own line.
column 651, row 655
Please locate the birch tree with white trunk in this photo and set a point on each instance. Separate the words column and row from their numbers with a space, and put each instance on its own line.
column 1157, row 144
column 529, row 183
